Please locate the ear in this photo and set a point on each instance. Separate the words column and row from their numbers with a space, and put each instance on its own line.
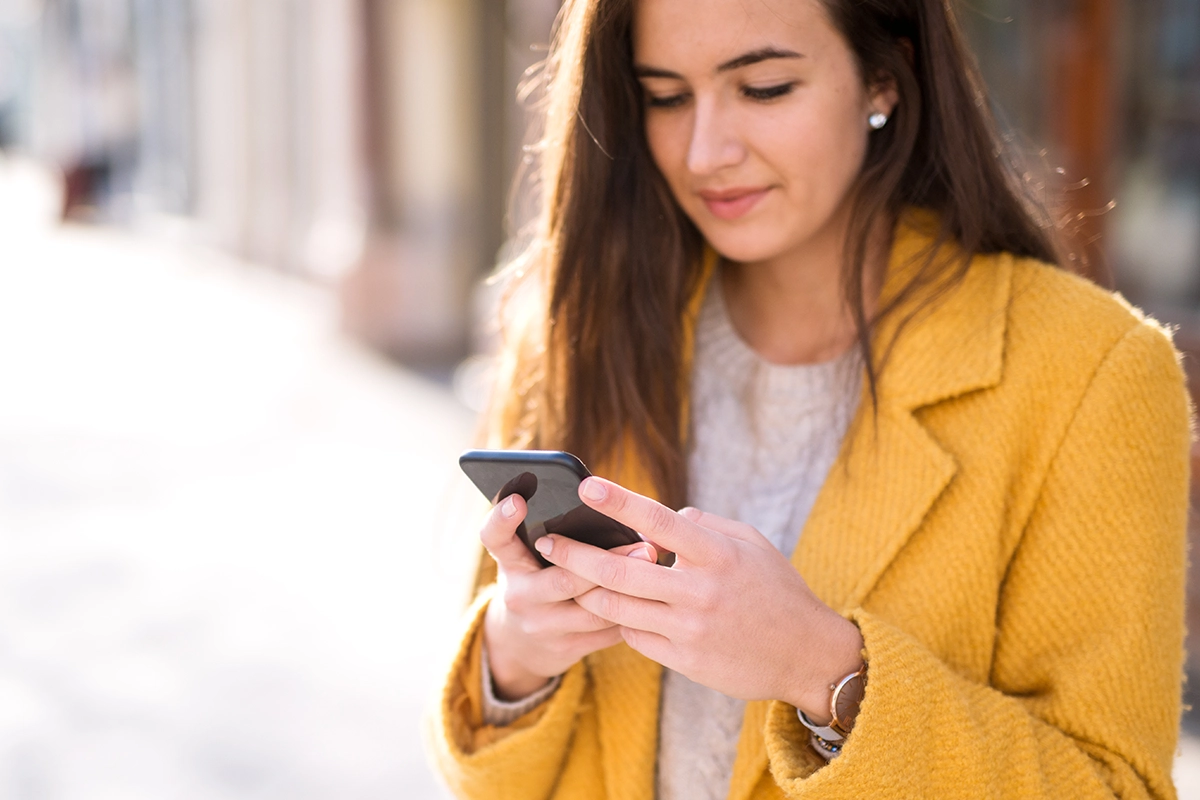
column 883, row 97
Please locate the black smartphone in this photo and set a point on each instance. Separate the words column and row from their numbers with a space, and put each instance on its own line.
column 548, row 481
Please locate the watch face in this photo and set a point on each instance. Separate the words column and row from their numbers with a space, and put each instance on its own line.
column 846, row 702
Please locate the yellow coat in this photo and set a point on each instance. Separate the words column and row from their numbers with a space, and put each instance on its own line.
column 1008, row 532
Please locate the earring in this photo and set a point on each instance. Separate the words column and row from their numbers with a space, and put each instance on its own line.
column 877, row 120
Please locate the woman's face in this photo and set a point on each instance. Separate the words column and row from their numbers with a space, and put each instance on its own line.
column 756, row 115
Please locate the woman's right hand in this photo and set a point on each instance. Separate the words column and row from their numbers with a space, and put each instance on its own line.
column 534, row 629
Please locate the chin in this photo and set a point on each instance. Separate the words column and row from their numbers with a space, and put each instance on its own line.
column 745, row 246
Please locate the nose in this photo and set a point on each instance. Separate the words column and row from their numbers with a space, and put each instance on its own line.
column 715, row 142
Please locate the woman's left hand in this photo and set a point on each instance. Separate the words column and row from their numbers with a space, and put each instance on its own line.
column 732, row 613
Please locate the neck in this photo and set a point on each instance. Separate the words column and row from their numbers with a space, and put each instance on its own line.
column 792, row 309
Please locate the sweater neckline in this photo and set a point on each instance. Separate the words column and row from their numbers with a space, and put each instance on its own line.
column 720, row 347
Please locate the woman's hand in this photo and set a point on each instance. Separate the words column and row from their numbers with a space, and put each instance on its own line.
column 534, row 629
column 731, row 614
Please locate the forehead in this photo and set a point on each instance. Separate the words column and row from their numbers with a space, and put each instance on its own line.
column 708, row 32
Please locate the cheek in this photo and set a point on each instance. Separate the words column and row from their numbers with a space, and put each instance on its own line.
column 821, row 150
column 668, row 148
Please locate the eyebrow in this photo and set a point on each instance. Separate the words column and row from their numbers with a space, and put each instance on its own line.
column 744, row 60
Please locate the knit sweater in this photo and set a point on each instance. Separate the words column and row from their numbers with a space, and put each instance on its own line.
column 763, row 439
column 1005, row 525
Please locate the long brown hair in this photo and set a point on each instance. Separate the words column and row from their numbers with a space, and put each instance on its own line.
column 611, row 261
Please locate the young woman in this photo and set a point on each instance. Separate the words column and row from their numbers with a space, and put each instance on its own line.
column 935, row 488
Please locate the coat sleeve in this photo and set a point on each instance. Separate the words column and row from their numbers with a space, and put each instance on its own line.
column 520, row 761
column 1083, row 699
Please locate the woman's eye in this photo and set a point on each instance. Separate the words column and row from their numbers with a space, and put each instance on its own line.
column 670, row 101
column 768, row 92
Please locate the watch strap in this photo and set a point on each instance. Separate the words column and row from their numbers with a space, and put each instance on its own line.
column 824, row 731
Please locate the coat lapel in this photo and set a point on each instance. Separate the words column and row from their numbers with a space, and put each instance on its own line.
column 862, row 517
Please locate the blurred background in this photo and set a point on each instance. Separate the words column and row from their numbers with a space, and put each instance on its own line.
column 241, row 245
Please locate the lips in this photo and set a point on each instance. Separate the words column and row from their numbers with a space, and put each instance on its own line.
column 730, row 204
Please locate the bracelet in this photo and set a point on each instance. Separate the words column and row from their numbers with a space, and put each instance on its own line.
column 826, row 749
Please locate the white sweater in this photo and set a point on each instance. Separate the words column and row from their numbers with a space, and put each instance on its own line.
column 763, row 439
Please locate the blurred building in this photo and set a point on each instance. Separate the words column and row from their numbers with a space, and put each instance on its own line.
column 1102, row 97
column 371, row 143
column 366, row 143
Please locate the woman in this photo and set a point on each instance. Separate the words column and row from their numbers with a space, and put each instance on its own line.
column 781, row 276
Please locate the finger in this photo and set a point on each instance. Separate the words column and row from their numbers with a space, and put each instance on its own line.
column 554, row 585
column 631, row 576
column 499, row 537
column 626, row 611
column 643, row 550
column 654, row 521
column 653, row 646
column 564, row 619
column 729, row 527
column 585, row 643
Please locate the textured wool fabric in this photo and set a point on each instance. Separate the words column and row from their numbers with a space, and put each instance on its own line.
column 1007, row 529
column 504, row 712
column 763, row 439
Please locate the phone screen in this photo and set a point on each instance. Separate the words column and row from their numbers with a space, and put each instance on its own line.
column 548, row 481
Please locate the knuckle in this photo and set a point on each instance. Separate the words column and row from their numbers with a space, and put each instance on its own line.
column 496, row 524
column 562, row 583
column 594, row 622
column 514, row 598
column 706, row 598
column 660, row 519
column 528, row 627
column 691, row 627
column 722, row 556
column 609, row 605
column 613, row 571
column 496, row 536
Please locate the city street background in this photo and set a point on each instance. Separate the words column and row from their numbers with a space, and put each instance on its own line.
column 243, row 322
column 233, row 541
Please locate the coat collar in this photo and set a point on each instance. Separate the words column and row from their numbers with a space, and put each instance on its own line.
column 889, row 473
column 935, row 350
column 955, row 344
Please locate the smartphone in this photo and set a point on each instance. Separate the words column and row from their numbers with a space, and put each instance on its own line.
column 548, row 481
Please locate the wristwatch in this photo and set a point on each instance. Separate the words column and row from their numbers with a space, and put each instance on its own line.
column 843, row 707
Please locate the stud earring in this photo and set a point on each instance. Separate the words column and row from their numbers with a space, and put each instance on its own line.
column 877, row 120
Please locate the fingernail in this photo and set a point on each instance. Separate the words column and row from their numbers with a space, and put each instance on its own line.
column 594, row 490
column 509, row 507
column 689, row 513
column 644, row 554
column 544, row 545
